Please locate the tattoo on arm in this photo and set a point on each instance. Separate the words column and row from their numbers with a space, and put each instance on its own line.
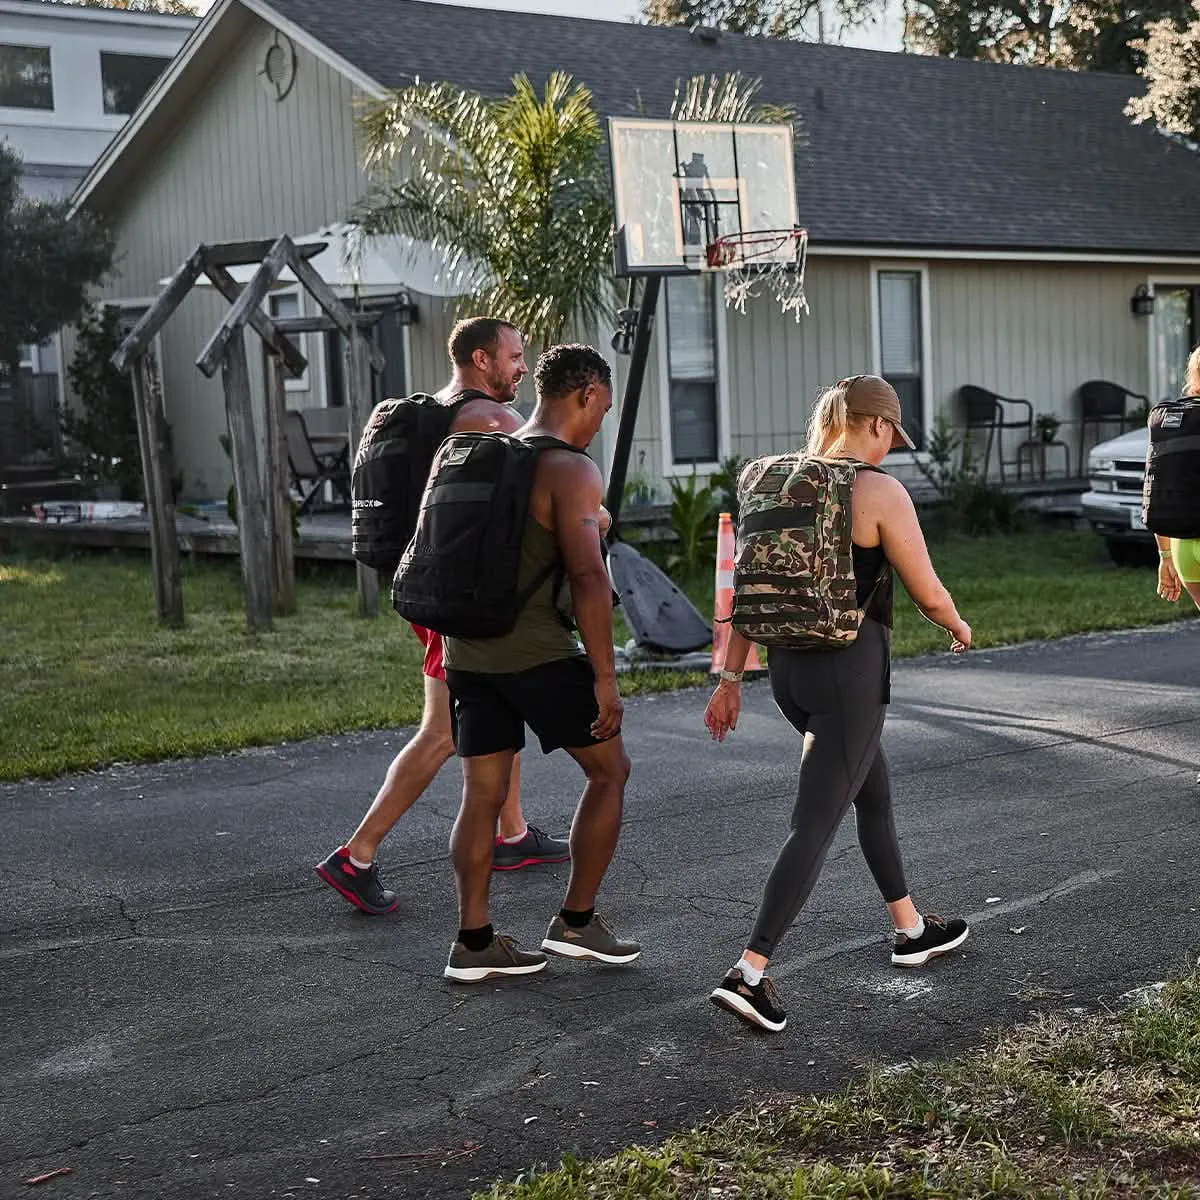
column 593, row 521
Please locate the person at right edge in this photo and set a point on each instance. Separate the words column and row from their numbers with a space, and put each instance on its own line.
column 1179, row 557
column 537, row 674
column 836, row 698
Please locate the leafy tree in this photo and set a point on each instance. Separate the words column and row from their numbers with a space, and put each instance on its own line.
column 1172, row 74
column 48, row 260
column 1098, row 35
column 761, row 18
column 103, row 430
column 175, row 7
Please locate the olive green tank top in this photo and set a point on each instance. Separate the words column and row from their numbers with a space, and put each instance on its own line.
column 539, row 635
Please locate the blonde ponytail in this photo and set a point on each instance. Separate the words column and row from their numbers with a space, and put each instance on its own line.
column 1191, row 382
column 829, row 420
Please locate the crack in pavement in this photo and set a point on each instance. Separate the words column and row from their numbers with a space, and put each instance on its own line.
column 244, row 1098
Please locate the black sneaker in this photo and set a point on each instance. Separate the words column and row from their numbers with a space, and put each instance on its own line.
column 759, row 1005
column 500, row 957
column 940, row 937
column 361, row 888
column 534, row 847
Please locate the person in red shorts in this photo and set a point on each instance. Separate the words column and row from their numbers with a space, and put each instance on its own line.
column 487, row 355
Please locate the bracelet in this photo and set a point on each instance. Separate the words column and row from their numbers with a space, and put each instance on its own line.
column 731, row 676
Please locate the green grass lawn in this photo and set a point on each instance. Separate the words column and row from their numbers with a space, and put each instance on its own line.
column 1108, row 1106
column 89, row 678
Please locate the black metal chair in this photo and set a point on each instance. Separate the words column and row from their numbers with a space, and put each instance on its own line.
column 312, row 469
column 1103, row 403
column 985, row 411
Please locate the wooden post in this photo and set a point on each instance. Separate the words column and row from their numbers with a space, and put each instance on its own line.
column 160, row 503
column 279, row 507
column 360, row 396
column 252, row 515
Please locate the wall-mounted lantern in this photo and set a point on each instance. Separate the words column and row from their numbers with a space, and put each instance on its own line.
column 1141, row 303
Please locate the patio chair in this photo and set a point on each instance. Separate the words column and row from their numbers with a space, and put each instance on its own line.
column 1103, row 403
column 986, row 411
column 312, row 469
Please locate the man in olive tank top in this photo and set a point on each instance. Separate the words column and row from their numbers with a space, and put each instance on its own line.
column 539, row 675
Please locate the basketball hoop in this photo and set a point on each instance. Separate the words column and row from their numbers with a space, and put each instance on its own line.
column 774, row 258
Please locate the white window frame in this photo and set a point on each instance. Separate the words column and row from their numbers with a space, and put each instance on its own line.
column 897, row 457
column 1153, row 282
column 670, row 468
column 31, row 116
column 303, row 343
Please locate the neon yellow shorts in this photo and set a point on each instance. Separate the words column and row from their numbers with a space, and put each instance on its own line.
column 1185, row 552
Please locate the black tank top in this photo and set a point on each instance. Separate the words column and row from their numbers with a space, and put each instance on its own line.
column 868, row 563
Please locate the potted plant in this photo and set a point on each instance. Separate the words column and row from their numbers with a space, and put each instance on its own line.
column 1047, row 425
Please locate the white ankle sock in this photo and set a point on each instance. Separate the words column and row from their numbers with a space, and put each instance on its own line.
column 916, row 930
column 362, row 866
column 512, row 841
column 752, row 975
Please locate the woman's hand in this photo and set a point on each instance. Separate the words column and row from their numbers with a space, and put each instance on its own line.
column 960, row 636
column 721, row 715
column 1169, row 587
column 605, row 521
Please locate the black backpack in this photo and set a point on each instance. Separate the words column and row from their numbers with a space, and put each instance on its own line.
column 390, row 469
column 459, row 574
column 1171, row 493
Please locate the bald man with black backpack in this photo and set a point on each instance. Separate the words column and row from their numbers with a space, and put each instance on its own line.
column 391, row 468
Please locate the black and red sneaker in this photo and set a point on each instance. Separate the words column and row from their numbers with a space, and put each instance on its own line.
column 535, row 847
column 358, row 885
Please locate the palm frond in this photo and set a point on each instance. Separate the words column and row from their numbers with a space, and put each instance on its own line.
column 516, row 185
column 731, row 97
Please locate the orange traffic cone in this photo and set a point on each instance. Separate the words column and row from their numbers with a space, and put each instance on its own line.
column 723, row 598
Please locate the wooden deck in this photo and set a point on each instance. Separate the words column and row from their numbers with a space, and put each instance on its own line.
column 326, row 535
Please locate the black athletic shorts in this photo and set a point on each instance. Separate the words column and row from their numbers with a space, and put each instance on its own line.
column 556, row 700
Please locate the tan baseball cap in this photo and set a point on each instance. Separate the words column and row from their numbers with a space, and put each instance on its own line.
column 871, row 396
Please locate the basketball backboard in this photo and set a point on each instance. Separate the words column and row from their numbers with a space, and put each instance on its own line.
column 678, row 186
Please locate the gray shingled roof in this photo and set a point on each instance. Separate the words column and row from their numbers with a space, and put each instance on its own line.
column 902, row 150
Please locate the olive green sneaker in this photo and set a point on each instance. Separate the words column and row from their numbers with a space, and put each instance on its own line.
column 595, row 940
column 501, row 957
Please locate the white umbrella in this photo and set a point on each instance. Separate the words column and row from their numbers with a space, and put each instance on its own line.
column 351, row 260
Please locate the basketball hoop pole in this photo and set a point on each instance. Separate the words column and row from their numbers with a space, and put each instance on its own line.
column 629, row 402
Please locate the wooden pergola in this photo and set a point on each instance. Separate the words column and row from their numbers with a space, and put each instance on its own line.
column 264, row 509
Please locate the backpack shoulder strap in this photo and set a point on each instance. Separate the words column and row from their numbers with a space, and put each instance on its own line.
column 544, row 441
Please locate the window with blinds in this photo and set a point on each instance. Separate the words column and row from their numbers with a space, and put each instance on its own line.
column 900, row 342
column 285, row 305
column 692, row 369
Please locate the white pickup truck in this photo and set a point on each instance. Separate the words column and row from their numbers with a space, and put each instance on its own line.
column 1113, row 501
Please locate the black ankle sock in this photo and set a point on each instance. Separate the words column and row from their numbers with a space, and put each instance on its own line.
column 477, row 939
column 577, row 919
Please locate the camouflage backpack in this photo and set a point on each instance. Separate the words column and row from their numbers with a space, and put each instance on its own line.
column 793, row 581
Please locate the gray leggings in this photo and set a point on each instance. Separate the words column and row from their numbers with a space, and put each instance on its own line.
column 837, row 699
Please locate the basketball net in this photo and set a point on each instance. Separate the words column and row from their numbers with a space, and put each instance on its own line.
column 771, row 259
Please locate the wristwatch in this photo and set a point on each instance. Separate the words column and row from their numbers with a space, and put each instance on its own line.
column 731, row 676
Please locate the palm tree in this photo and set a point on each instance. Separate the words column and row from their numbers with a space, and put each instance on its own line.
column 513, row 190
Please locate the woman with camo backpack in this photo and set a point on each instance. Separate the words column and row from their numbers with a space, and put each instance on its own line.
column 819, row 534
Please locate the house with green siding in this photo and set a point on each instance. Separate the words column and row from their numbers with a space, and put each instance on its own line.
column 970, row 223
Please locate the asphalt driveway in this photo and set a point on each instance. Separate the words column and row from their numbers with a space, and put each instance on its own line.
column 186, row 1011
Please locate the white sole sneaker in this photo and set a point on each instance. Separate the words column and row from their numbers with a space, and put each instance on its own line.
column 571, row 950
column 920, row 958
column 742, row 1007
column 479, row 974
